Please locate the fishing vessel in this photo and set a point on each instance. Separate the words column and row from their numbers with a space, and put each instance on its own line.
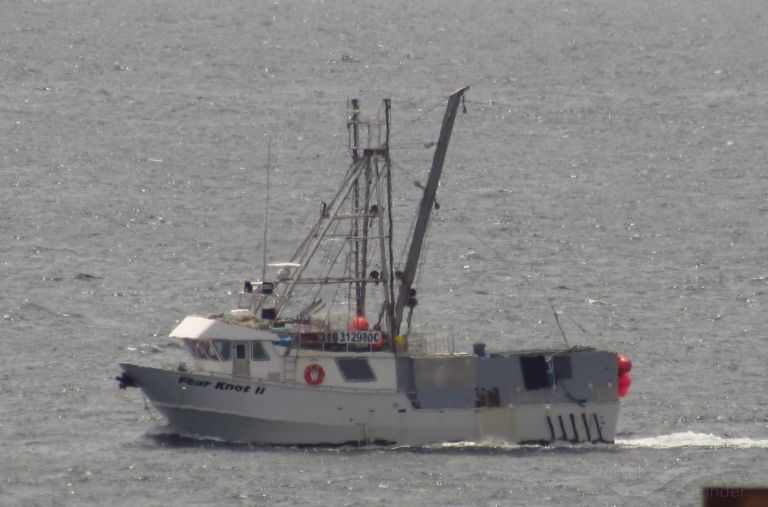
column 321, row 351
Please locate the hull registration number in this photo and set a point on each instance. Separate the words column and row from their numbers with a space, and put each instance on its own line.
column 354, row 337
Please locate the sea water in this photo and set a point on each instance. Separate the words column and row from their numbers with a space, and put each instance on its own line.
column 611, row 167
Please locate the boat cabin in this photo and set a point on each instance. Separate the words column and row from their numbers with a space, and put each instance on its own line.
column 287, row 355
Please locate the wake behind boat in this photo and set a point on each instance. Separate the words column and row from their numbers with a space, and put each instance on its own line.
column 285, row 368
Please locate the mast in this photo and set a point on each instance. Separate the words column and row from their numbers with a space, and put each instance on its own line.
column 266, row 214
column 425, row 208
column 363, row 261
column 359, row 287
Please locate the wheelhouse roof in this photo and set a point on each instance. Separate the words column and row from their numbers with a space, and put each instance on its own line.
column 202, row 328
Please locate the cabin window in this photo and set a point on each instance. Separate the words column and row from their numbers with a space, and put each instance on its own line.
column 355, row 369
column 224, row 348
column 204, row 350
column 240, row 351
column 258, row 353
column 536, row 372
column 190, row 345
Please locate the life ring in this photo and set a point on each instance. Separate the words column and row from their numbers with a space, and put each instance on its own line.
column 314, row 374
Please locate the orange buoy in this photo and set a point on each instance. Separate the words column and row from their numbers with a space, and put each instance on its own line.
column 359, row 323
column 314, row 374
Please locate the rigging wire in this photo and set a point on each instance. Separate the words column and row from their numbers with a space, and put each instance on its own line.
column 405, row 244
column 538, row 284
column 528, row 280
column 328, row 262
column 415, row 217
column 304, row 246
column 336, row 292
column 418, row 118
column 416, row 181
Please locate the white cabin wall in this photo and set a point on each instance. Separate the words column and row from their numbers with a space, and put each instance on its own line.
column 383, row 369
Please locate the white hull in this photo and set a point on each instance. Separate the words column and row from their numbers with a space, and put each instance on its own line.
column 246, row 410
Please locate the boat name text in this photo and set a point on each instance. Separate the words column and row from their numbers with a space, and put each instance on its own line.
column 221, row 386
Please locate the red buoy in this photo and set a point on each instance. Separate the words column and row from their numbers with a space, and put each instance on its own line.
column 625, row 365
column 359, row 323
column 624, row 382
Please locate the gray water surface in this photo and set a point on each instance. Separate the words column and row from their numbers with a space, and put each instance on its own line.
column 611, row 164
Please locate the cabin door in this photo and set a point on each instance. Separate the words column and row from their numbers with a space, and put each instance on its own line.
column 240, row 360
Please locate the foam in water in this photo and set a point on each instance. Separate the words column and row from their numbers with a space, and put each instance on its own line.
column 671, row 441
column 691, row 439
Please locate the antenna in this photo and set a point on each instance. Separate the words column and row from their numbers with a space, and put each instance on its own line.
column 557, row 321
column 266, row 213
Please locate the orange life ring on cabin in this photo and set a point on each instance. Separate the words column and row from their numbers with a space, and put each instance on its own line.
column 314, row 374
